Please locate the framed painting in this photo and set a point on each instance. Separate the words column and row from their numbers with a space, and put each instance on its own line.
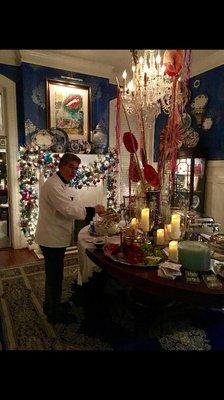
column 68, row 108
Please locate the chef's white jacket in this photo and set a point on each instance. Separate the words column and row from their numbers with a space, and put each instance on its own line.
column 57, row 210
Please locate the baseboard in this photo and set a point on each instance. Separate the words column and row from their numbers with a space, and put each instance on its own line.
column 70, row 250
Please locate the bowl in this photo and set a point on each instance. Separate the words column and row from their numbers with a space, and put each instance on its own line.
column 99, row 243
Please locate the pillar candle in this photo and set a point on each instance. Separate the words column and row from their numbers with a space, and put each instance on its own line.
column 167, row 232
column 194, row 255
column 134, row 223
column 173, row 250
column 160, row 236
column 145, row 219
column 175, row 226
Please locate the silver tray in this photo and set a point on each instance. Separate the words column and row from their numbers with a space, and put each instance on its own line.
column 122, row 262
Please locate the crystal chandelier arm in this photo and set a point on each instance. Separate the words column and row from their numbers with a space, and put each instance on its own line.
column 134, row 54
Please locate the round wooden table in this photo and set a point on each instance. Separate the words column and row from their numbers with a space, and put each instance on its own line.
column 148, row 281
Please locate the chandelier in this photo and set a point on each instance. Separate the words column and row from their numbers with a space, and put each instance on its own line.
column 150, row 88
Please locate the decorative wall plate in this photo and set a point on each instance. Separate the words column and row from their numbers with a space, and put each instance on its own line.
column 190, row 138
column 196, row 83
column 199, row 102
column 60, row 140
column 207, row 123
column 77, row 146
column 42, row 138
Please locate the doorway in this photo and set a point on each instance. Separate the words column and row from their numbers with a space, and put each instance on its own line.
column 9, row 134
column 5, row 239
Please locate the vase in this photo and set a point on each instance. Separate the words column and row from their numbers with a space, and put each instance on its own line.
column 99, row 140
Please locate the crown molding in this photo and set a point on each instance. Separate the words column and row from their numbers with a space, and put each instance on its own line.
column 214, row 60
column 10, row 57
column 50, row 58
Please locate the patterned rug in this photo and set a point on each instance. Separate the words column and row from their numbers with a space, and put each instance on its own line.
column 107, row 319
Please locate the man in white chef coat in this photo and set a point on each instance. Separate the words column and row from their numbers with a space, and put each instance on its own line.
column 57, row 210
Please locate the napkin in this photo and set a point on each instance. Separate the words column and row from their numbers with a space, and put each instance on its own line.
column 169, row 270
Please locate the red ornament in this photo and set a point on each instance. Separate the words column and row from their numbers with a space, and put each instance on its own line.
column 173, row 61
column 130, row 142
column 151, row 175
column 133, row 170
column 155, row 182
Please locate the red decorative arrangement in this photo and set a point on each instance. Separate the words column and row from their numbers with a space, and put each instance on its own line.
column 171, row 136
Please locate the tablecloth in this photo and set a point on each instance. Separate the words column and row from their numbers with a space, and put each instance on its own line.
column 86, row 266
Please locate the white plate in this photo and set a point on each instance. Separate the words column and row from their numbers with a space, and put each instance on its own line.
column 89, row 240
column 42, row 138
column 199, row 102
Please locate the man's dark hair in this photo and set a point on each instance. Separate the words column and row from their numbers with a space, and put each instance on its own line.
column 67, row 158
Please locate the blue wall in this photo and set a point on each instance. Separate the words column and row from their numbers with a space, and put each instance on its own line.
column 34, row 92
column 211, row 142
column 30, row 82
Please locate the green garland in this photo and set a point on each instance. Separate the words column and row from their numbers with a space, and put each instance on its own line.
column 33, row 161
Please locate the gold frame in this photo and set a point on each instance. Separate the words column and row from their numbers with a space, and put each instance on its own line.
column 74, row 117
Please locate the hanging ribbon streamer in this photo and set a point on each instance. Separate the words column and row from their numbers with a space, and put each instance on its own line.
column 118, row 123
column 129, row 176
column 171, row 135
column 185, row 79
column 143, row 152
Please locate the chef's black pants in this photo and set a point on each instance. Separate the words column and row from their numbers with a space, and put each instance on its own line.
column 54, row 266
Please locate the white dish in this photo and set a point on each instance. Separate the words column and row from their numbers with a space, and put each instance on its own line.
column 89, row 240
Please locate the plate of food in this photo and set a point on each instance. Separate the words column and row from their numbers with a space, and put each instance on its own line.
column 135, row 255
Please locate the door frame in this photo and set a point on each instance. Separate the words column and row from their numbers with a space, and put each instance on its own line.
column 11, row 131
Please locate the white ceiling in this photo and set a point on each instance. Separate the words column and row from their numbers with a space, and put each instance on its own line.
column 119, row 58
column 106, row 63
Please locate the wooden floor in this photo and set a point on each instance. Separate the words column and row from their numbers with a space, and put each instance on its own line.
column 10, row 257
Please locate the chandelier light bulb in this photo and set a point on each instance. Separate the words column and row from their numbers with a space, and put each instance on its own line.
column 124, row 75
column 158, row 58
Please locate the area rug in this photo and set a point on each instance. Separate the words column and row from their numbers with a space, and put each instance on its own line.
column 106, row 318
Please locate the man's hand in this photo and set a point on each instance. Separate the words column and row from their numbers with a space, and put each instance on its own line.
column 99, row 209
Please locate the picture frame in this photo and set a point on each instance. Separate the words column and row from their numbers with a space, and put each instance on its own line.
column 3, row 143
column 68, row 108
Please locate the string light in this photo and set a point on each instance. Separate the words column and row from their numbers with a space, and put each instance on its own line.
column 34, row 162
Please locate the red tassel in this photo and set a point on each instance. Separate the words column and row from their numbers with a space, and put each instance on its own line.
column 118, row 124
column 133, row 170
